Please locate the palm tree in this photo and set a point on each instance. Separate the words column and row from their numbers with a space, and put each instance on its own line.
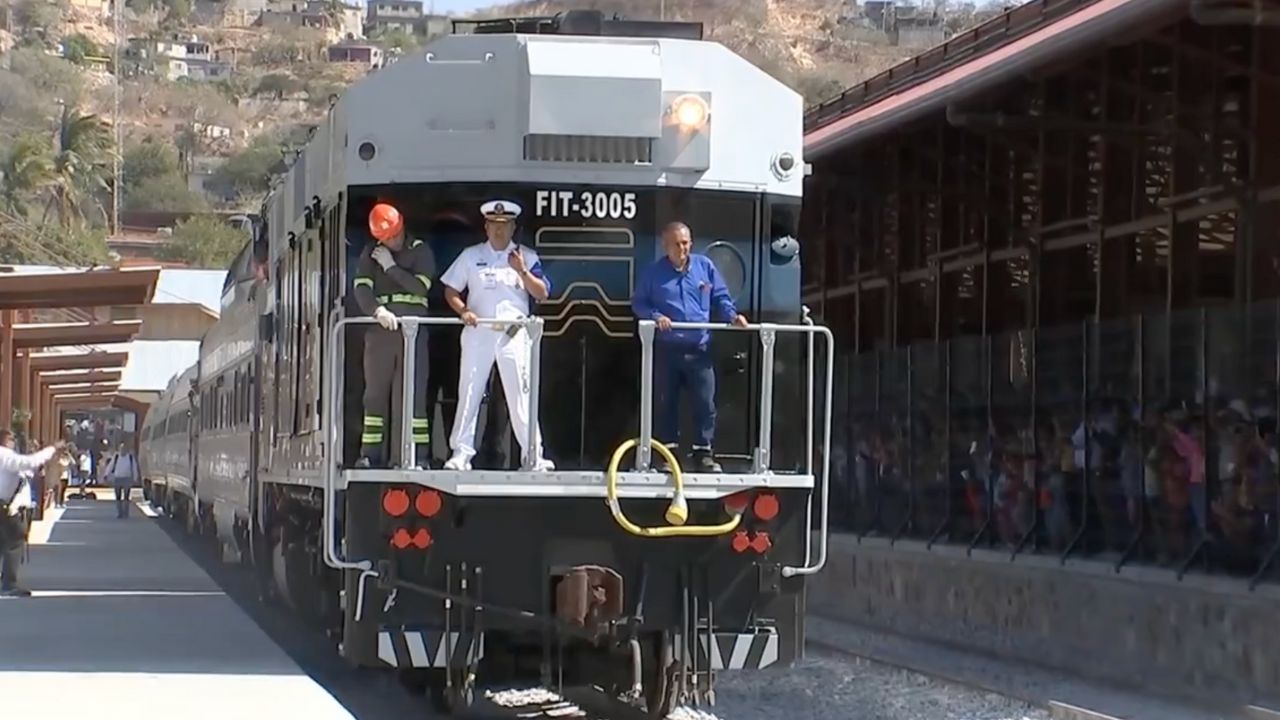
column 81, row 167
column 27, row 172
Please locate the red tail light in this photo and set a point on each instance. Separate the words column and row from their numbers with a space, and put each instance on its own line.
column 402, row 538
column 740, row 542
column 736, row 504
column 428, row 503
column 395, row 502
column 766, row 506
column 761, row 542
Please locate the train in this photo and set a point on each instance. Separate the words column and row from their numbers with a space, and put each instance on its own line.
column 645, row 584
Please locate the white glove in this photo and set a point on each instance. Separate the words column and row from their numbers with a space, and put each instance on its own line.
column 386, row 319
column 383, row 257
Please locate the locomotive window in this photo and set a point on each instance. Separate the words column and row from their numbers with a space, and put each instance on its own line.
column 584, row 237
column 732, row 267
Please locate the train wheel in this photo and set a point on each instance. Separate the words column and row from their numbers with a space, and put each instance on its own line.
column 661, row 694
column 457, row 698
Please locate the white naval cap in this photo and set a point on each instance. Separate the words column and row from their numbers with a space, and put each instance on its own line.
column 500, row 210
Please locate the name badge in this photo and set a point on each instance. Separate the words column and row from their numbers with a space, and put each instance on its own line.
column 489, row 279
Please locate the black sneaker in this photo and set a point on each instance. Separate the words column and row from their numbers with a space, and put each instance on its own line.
column 703, row 462
column 15, row 592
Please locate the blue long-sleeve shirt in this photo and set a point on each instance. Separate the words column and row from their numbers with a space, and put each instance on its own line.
column 695, row 295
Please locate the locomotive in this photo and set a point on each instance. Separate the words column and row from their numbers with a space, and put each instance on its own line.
column 642, row 583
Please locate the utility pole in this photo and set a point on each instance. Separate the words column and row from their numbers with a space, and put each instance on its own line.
column 117, row 12
column 662, row 9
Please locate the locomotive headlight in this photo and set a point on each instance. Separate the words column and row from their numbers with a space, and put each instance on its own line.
column 690, row 112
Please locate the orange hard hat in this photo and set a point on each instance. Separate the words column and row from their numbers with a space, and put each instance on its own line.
column 385, row 222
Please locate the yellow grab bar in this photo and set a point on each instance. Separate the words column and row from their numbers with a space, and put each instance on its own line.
column 676, row 514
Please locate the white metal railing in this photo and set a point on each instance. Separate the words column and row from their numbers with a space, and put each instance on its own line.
column 333, row 421
column 768, row 333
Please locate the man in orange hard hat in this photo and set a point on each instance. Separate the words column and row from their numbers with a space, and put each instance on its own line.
column 393, row 276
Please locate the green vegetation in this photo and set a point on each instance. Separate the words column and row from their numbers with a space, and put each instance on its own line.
column 67, row 179
column 278, row 85
column 50, row 244
column 51, row 198
column 204, row 241
column 147, row 160
column 78, row 47
column 153, row 179
column 168, row 193
column 248, row 172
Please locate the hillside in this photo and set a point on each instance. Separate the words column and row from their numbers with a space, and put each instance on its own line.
column 801, row 42
column 212, row 91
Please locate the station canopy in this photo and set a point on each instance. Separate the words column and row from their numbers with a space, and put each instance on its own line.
column 38, row 287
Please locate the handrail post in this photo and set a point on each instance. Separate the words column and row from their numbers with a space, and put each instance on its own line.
column 824, row 518
column 332, row 557
column 809, row 419
column 531, row 453
column 645, row 331
column 409, row 328
column 761, row 462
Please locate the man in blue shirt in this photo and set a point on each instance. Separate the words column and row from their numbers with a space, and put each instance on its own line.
column 683, row 287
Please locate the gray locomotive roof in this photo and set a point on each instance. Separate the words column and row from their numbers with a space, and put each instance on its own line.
column 461, row 110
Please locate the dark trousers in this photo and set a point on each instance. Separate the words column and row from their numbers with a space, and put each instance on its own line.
column 383, row 365
column 10, row 552
column 442, row 377
column 677, row 368
column 122, row 499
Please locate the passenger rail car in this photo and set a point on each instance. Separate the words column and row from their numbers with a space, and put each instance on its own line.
column 602, row 571
column 168, row 433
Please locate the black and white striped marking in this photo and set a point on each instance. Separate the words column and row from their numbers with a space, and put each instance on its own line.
column 733, row 651
column 401, row 647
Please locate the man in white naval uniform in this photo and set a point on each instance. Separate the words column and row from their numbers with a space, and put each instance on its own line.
column 498, row 276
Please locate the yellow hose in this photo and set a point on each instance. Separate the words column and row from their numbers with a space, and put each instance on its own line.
column 677, row 513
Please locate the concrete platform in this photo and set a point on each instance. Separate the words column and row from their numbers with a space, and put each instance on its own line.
column 123, row 624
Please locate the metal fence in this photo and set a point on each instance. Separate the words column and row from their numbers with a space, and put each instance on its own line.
column 1150, row 440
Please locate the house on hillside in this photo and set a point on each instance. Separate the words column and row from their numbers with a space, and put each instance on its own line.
column 349, row 51
column 342, row 20
column 97, row 64
column 208, row 70
column 198, row 49
column 96, row 7
column 905, row 24
column 173, row 58
column 404, row 16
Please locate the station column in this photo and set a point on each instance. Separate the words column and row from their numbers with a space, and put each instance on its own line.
column 7, row 359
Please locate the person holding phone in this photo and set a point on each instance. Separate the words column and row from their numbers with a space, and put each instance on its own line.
column 499, row 277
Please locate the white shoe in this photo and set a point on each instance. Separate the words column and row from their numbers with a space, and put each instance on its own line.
column 544, row 465
column 457, row 462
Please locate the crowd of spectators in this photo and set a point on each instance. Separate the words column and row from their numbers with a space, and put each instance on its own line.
column 1177, row 483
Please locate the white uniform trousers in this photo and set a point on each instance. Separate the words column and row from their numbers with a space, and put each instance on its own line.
column 480, row 347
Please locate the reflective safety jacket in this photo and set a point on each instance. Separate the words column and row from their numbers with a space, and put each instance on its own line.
column 403, row 288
